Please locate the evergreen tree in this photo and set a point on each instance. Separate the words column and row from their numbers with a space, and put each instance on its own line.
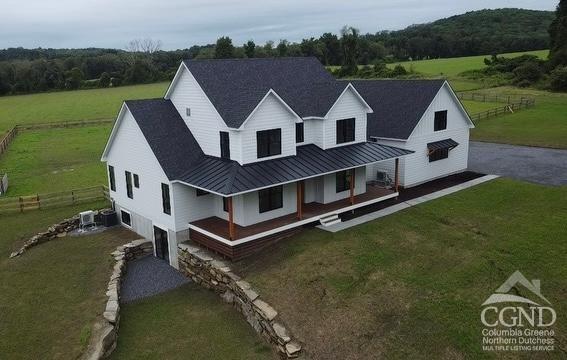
column 558, row 35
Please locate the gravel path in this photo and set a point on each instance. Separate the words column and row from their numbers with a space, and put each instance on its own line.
column 149, row 276
column 539, row 165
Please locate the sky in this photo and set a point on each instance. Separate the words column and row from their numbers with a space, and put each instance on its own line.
column 182, row 23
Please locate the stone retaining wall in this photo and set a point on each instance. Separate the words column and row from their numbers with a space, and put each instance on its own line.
column 105, row 331
column 205, row 269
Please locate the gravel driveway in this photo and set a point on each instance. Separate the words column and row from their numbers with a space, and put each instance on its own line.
column 539, row 165
column 149, row 276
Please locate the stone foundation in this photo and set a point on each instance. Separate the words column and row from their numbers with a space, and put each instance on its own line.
column 105, row 331
column 207, row 270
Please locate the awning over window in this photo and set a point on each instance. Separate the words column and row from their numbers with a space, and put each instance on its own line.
column 442, row 144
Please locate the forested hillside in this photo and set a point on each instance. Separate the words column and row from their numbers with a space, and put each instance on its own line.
column 482, row 32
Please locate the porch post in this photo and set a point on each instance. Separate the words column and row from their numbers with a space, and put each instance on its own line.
column 397, row 175
column 300, row 190
column 352, row 180
column 230, row 219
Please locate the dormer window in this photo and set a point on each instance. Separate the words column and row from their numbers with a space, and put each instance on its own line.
column 269, row 142
column 299, row 133
column 188, row 111
column 345, row 130
column 224, row 145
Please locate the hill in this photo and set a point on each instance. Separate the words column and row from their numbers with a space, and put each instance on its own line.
column 473, row 33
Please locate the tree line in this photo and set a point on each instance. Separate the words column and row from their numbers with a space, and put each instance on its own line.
column 143, row 61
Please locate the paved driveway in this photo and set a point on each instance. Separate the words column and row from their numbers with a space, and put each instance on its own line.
column 539, row 165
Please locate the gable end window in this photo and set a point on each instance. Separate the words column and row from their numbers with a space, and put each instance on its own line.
column 269, row 142
column 165, row 200
column 345, row 130
column 112, row 178
column 440, row 120
column 343, row 181
column 129, row 190
column 270, row 199
column 224, row 145
column 439, row 154
column 299, row 133
column 136, row 181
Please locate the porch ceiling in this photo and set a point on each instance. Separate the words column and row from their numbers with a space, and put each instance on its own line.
column 229, row 178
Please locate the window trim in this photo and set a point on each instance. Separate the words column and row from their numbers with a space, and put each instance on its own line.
column 112, row 178
column 129, row 214
column 299, row 133
column 271, row 205
column 224, row 150
column 136, row 181
column 129, row 185
column 267, row 135
column 347, row 180
column 435, row 127
column 166, row 209
column 342, row 131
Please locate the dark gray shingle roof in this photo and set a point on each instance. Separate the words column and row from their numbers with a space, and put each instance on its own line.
column 167, row 134
column 236, row 86
column 228, row 177
column 398, row 104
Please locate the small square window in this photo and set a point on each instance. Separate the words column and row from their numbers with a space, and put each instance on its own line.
column 126, row 218
column 188, row 111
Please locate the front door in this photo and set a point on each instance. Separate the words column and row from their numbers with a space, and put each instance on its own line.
column 161, row 244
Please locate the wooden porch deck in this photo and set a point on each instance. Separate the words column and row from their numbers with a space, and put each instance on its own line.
column 219, row 227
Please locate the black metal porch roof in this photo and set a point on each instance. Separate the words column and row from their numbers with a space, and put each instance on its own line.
column 442, row 144
column 229, row 177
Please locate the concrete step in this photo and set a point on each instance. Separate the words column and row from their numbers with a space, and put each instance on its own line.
column 330, row 220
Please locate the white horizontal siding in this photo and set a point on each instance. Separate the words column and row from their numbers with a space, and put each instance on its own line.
column 313, row 129
column 348, row 106
column 247, row 210
column 190, row 207
column 330, row 186
column 271, row 114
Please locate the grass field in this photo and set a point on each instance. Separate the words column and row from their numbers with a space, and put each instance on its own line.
column 186, row 323
column 478, row 106
column 411, row 285
column 543, row 125
column 454, row 66
column 71, row 105
column 53, row 160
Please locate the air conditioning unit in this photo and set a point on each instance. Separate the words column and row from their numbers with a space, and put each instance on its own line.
column 86, row 219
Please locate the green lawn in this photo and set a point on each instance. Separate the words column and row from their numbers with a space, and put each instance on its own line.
column 478, row 106
column 186, row 323
column 44, row 161
column 71, row 105
column 454, row 66
column 411, row 285
column 543, row 125
column 51, row 295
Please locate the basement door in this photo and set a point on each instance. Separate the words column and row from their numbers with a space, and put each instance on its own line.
column 161, row 244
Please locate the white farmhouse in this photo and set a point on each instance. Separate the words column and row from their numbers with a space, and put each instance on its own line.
column 242, row 152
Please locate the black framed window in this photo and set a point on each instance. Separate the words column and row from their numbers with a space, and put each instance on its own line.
column 345, row 130
column 438, row 154
column 112, row 178
column 136, row 181
column 270, row 199
column 224, row 145
column 165, row 200
column 225, row 204
column 299, row 133
column 126, row 218
column 343, row 180
column 440, row 120
column 129, row 190
column 202, row 192
column 269, row 142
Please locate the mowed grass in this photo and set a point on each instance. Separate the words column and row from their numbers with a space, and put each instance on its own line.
column 411, row 285
column 454, row 66
column 71, row 105
column 187, row 323
column 53, row 160
column 543, row 125
column 51, row 295
column 478, row 106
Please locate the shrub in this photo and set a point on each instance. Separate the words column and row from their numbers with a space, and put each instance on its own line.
column 528, row 72
column 104, row 80
column 399, row 70
column 558, row 79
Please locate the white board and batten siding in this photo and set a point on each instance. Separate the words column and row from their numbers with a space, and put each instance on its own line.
column 347, row 106
column 129, row 151
column 416, row 169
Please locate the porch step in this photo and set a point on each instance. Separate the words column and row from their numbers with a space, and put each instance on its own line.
column 330, row 220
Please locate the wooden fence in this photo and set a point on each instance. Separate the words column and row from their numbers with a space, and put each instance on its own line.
column 7, row 139
column 510, row 108
column 506, row 99
column 3, row 182
column 43, row 201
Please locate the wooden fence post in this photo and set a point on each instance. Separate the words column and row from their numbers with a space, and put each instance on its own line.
column 21, row 204
column 38, row 201
column 72, row 197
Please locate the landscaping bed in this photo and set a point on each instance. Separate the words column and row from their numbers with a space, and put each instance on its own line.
column 411, row 285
